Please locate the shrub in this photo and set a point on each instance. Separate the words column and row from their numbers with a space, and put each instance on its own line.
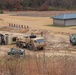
column 56, row 8
column 43, row 8
column 1, row 12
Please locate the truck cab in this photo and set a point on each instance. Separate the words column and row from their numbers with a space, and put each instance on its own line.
column 30, row 42
column 37, row 43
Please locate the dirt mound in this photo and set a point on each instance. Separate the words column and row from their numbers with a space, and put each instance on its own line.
column 1, row 19
column 14, row 30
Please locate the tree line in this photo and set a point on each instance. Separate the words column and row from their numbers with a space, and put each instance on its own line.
column 37, row 4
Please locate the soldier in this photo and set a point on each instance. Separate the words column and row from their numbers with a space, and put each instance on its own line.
column 2, row 40
column 41, row 33
column 24, row 26
column 14, row 25
column 21, row 26
column 27, row 27
column 9, row 24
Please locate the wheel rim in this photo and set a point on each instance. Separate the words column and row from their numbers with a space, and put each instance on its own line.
column 73, row 40
column 30, row 47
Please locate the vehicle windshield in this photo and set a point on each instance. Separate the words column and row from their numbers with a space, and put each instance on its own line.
column 25, row 36
column 40, row 40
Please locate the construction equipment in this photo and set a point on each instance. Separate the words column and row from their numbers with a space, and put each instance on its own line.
column 72, row 39
column 30, row 42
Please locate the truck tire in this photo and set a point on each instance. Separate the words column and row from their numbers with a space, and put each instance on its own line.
column 12, row 54
column 33, row 47
column 21, row 46
column 17, row 44
column 21, row 53
column 70, row 41
column 8, row 53
column 73, row 42
column 30, row 47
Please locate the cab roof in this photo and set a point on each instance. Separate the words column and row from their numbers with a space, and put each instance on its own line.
column 38, row 38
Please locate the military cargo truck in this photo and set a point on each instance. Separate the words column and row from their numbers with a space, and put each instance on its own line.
column 30, row 42
column 7, row 39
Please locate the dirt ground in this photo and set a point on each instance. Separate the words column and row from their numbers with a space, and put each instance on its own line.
column 23, row 18
column 58, row 49
column 57, row 37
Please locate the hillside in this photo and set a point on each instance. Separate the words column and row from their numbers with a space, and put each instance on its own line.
column 37, row 4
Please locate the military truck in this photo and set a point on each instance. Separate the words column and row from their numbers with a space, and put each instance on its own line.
column 6, row 39
column 10, row 39
column 30, row 42
column 72, row 39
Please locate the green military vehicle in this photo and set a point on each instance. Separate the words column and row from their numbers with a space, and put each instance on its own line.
column 72, row 39
column 14, row 51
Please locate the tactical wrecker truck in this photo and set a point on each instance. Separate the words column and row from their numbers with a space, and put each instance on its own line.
column 30, row 42
column 72, row 39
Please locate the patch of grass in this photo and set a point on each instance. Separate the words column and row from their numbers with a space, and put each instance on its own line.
column 74, row 28
column 1, row 12
column 57, row 8
column 57, row 26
